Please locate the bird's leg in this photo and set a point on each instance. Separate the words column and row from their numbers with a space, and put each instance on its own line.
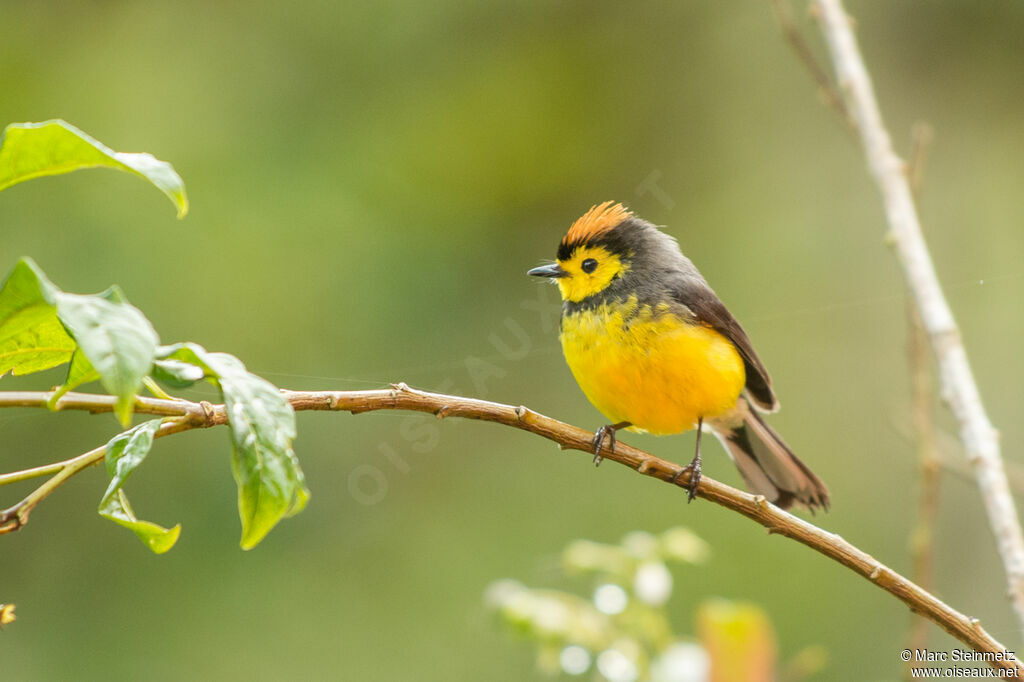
column 693, row 467
column 606, row 431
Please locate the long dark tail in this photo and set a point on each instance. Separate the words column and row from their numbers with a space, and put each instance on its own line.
column 768, row 465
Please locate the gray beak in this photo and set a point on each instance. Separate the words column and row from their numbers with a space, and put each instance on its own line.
column 553, row 270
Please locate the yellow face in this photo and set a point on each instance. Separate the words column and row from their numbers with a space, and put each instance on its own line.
column 589, row 270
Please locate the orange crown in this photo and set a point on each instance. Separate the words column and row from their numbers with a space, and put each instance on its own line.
column 595, row 222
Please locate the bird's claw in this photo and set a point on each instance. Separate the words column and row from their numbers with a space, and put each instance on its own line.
column 694, row 469
column 606, row 431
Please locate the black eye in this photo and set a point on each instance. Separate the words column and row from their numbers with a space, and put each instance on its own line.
column 589, row 265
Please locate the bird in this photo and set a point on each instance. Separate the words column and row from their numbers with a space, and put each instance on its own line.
column 655, row 350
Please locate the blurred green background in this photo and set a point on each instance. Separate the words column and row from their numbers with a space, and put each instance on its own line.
column 369, row 183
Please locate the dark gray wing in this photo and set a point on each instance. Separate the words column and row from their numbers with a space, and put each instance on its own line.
column 708, row 309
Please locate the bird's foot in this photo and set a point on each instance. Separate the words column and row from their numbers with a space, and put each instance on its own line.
column 694, row 469
column 606, row 432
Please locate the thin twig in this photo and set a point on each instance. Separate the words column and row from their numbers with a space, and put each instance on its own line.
column 755, row 507
column 189, row 416
column 922, row 538
column 948, row 449
column 17, row 516
column 34, row 472
column 921, row 136
column 959, row 388
column 94, row 402
column 796, row 40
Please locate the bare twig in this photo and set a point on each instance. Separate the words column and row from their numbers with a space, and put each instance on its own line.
column 796, row 40
column 959, row 388
column 755, row 507
column 189, row 416
column 921, row 136
column 948, row 449
column 922, row 538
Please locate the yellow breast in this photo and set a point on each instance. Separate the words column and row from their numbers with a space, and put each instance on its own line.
column 651, row 368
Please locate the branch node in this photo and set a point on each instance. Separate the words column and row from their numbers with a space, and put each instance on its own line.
column 208, row 413
column 14, row 518
column 443, row 411
column 644, row 466
column 762, row 502
column 875, row 574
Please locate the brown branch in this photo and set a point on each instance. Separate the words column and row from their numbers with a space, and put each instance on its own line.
column 754, row 507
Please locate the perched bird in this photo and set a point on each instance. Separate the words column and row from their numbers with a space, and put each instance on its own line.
column 655, row 350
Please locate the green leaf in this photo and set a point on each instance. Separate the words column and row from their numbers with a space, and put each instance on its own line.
column 104, row 336
column 31, row 337
column 117, row 340
column 33, row 150
column 80, row 371
column 271, row 485
column 177, row 373
column 125, row 453
column 157, row 538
